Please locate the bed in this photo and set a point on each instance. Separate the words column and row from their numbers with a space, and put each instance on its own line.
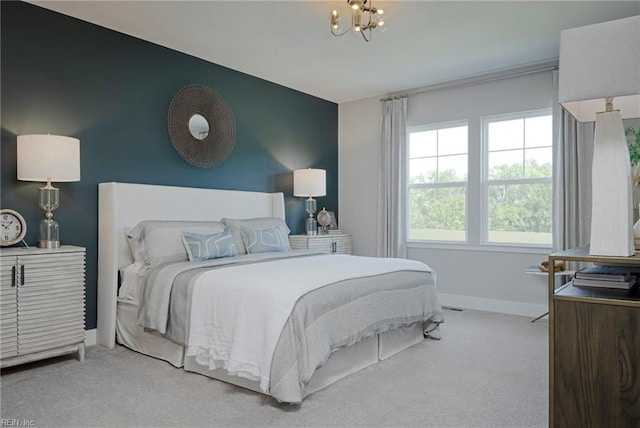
column 310, row 320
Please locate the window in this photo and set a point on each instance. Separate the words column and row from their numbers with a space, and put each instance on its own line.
column 518, row 180
column 507, row 200
column 438, row 160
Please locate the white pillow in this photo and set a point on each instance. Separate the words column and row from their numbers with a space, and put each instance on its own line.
column 236, row 226
column 131, row 280
column 160, row 241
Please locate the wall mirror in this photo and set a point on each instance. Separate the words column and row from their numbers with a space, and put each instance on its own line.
column 201, row 126
column 198, row 126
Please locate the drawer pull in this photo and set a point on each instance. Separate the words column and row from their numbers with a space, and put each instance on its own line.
column 17, row 275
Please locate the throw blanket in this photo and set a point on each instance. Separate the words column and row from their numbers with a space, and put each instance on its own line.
column 238, row 313
column 153, row 312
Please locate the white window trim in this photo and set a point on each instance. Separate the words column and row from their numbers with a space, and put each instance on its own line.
column 483, row 244
column 489, row 247
column 465, row 184
column 485, row 181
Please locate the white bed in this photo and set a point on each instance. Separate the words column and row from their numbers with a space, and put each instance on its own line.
column 123, row 205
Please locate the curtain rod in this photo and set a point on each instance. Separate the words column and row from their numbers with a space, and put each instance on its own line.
column 482, row 78
column 394, row 97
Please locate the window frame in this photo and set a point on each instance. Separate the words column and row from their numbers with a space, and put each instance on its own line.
column 480, row 201
column 451, row 184
column 486, row 182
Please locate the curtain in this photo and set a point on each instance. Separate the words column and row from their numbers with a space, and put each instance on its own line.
column 391, row 180
column 572, row 157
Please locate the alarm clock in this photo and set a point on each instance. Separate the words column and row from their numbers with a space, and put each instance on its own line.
column 12, row 227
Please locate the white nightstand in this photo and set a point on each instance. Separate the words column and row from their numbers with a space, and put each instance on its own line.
column 332, row 243
column 42, row 301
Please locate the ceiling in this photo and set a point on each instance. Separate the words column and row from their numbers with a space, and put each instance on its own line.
column 289, row 43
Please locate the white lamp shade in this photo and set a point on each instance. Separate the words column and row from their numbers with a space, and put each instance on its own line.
column 48, row 157
column 309, row 182
column 599, row 61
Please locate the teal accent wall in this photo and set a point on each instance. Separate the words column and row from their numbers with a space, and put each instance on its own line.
column 63, row 76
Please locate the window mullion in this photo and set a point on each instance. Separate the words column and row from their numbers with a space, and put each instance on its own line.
column 437, row 185
column 510, row 181
column 475, row 183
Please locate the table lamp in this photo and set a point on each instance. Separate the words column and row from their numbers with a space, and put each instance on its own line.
column 600, row 81
column 48, row 158
column 309, row 183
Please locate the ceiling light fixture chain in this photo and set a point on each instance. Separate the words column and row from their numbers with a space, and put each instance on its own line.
column 364, row 19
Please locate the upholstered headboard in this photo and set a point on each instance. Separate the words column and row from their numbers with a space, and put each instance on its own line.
column 123, row 205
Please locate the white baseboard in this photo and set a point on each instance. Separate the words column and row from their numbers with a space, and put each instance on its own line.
column 492, row 305
column 90, row 337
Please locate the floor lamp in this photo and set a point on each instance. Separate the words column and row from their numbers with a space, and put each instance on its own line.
column 600, row 81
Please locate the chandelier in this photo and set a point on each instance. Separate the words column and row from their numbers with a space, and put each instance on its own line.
column 364, row 19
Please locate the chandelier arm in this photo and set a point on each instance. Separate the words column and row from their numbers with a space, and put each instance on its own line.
column 340, row 34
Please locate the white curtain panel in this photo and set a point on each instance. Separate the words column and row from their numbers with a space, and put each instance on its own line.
column 573, row 155
column 392, row 179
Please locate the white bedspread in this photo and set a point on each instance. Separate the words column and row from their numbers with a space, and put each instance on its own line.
column 237, row 313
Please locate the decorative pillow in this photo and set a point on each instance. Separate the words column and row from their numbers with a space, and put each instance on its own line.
column 254, row 223
column 266, row 240
column 160, row 241
column 205, row 247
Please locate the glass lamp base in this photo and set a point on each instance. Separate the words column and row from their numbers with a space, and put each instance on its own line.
column 311, row 226
column 48, row 244
column 49, row 236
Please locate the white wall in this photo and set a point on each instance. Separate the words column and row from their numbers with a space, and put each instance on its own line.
column 359, row 127
column 468, row 276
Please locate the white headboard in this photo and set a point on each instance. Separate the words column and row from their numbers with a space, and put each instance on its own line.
column 123, row 205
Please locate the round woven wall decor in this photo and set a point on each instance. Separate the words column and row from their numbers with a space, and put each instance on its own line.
column 216, row 146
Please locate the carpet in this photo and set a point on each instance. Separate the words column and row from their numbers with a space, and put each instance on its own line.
column 489, row 370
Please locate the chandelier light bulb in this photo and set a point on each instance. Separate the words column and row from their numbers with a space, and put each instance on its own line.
column 364, row 19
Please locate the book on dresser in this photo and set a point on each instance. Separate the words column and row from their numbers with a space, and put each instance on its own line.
column 608, row 272
column 621, row 285
column 604, row 276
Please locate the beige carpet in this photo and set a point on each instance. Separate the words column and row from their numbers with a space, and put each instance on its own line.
column 489, row 370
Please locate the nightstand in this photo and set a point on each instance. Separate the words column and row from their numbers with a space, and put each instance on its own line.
column 331, row 243
column 42, row 301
